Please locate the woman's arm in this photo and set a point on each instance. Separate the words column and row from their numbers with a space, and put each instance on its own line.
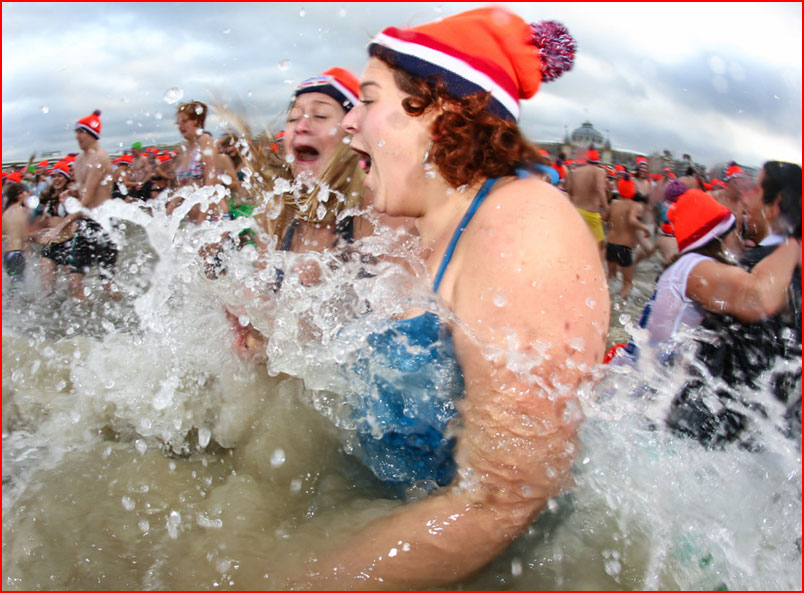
column 748, row 296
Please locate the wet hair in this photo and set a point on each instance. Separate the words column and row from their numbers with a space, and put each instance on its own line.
column 782, row 182
column 469, row 142
column 12, row 193
column 194, row 110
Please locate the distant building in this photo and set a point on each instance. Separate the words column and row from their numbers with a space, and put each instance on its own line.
column 575, row 145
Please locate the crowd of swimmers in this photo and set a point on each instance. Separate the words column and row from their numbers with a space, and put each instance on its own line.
column 435, row 149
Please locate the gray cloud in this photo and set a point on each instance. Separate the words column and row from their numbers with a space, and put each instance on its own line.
column 70, row 58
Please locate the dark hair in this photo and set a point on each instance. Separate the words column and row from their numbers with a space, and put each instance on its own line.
column 469, row 142
column 782, row 181
column 195, row 110
column 12, row 193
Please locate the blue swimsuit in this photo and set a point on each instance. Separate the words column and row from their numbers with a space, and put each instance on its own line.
column 404, row 391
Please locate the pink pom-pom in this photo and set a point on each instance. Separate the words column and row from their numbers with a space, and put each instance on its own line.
column 557, row 48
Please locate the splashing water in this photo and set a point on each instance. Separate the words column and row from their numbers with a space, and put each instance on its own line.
column 173, row 95
column 140, row 452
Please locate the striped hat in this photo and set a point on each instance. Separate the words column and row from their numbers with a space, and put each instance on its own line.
column 641, row 160
column 697, row 219
column 483, row 50
column 91, row 123
column 62, row 167
column 338, row 83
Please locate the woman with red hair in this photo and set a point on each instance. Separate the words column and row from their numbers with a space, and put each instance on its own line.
column 482, row 402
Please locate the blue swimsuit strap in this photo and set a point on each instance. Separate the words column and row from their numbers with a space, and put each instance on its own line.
column 481, row 195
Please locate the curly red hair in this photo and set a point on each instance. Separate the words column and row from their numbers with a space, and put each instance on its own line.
column 469, row 142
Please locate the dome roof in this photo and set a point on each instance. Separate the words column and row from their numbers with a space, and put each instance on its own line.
column 586, row 135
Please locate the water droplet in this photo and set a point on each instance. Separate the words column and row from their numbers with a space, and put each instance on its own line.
column 499, row 300
column 612, row 567
column 72, row 205
column 144, row 525
column 392, row 552
column 227, row 30
column 590, row 303
column 173, row 95
column 277, row 457
column 284, row 65
column 624, row 318
column 302, row 12
column 128, row 503
column 45, row 108
column 380, row 142
column 347, row 139
column 141, row 446
column 342, row 12
column 32, row 202
column 158, row 115
column 204, row 435
column 577, row 344
column 516, row 567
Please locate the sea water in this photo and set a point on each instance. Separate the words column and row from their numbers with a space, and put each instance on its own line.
column 139, row 452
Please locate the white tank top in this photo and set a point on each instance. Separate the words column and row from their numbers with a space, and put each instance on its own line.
column 670, row 307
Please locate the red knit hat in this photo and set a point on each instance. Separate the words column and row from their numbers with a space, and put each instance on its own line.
column 640, row 160
column 62, row 167
column 698, row 218
column 592, row 156
column 626, row 187
column 91, row 123
column 338, row 83
column 619, row 169
column 483, row 50
column 733, row 171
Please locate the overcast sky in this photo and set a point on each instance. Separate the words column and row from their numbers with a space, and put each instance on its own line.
column 717, row 81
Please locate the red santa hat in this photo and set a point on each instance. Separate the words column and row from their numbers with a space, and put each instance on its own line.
column 698, row 218
column 338, row 83
column 592, row 156
column 641, row 160
column 626, row 187
column 63, row 168
column 733, row 171
column 484, row 50
column 91, row 123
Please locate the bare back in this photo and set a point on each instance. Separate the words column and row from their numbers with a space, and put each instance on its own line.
column 622, row 230
column 15, row 227
column 587, row 188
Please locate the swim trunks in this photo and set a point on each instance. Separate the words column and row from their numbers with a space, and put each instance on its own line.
column 91, row 244
column 594, row 222
column 14, row 263
column 619, row 254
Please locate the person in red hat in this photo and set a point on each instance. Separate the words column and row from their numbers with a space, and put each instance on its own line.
column 516, row 267
column 711, row 407
column 705, row 278
column 623, row 218
column 15, row 229
column 92, row 174
column 314, row 157
column 729, row 193
column 587, row 186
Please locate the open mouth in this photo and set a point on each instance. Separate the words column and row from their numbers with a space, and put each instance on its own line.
column 305, row 154
column 365, row 159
